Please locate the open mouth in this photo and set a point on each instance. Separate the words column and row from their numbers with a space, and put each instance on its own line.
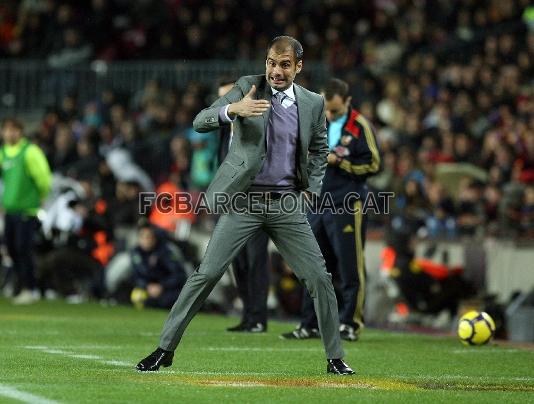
column 277, row 80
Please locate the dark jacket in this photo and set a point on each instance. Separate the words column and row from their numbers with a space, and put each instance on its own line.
column 161, row 265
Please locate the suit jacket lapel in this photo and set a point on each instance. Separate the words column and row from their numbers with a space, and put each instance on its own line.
column 267, row 94
column 305, row 114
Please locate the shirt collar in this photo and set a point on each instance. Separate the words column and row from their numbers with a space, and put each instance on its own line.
column 290, row 92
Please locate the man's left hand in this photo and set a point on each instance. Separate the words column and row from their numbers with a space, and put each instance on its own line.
column 332, row 159
column 154, row 290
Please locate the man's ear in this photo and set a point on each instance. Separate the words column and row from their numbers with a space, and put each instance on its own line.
column 299, row 66
column 348, row 100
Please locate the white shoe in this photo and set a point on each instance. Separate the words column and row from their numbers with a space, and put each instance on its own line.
column 75, row 299
column 51, row 294
column 8, row 291
column 26, row 296
column 348, row 332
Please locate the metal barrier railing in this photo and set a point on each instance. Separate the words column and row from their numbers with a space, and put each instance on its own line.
column 27, row 85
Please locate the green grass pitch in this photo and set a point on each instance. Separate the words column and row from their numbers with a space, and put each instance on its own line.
column 57, row 353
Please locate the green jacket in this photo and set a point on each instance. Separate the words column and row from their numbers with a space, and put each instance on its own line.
column 247, row 151
column 26, row 177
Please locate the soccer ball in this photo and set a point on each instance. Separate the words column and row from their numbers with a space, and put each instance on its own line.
column 476, row 328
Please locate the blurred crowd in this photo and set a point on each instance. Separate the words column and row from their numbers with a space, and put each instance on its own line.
column 447, row 84
column 444, row 82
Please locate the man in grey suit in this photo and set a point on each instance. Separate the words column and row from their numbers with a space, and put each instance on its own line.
column 279, row 148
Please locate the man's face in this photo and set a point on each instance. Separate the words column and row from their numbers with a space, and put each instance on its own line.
column 11, row 133
column 281, row 68
column 336, row 107
column 146, row 239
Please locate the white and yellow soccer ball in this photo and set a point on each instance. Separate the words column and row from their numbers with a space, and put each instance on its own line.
column 476, row 328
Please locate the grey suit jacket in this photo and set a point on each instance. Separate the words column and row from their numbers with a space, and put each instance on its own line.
column 248, row 148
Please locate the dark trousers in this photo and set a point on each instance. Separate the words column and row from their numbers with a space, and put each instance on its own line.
column 341, row 238
column 19, row 234
column 252, row 278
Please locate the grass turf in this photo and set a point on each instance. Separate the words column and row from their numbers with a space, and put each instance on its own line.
column 86, row 354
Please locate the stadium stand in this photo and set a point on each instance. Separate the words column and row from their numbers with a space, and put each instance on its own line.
column 448, row 85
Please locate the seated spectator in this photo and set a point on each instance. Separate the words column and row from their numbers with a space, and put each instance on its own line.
column 527, row 213
column 125, row 204
column 76, row 230
column 492, row 200
column 74, row 51
column 170, row 215
column 470, row 209
column 425, row 286
column 158, row 273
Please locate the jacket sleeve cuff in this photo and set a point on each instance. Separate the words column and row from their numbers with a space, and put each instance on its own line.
column 223, row 115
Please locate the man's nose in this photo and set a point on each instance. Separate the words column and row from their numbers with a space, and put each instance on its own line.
column 277, row 70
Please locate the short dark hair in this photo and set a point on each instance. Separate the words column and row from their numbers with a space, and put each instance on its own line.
column 10, row 120
column 336, row 87
column 283, row 41
column 144, row 223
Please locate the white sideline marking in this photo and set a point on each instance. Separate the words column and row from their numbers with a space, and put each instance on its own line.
column 82, row 356
column 148, row 334
column 75, row 355
column 11, row 392
column 56, row 351
column 118, row 363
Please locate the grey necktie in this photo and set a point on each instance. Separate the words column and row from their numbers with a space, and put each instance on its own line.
column 284, row 99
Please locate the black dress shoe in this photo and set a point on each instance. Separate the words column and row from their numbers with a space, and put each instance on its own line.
column 241, row 327
column 338, row 367
column 158, row 358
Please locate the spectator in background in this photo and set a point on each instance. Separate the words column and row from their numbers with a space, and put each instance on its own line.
column 440, row 222
column 64, row 150
column 26, row 177
column 158, row 272
column 353, row 157
column 125, row 204
column 470, row 210
column 202, row 159
column 169, row 215
column 71, row 265
column 73, row 52
column 426, row 286
column 527, row 213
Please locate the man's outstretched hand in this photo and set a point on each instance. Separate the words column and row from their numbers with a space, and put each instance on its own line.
column 248, row 106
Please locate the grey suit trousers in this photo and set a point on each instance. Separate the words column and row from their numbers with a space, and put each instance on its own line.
column 294, row 239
